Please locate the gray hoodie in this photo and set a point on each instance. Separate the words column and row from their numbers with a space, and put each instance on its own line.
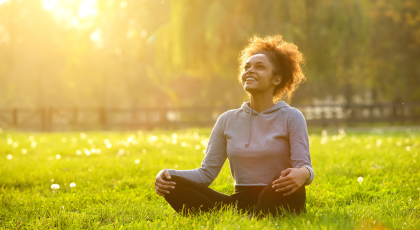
column 259, row 146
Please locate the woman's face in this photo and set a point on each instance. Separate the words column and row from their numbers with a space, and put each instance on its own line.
column 257, row 75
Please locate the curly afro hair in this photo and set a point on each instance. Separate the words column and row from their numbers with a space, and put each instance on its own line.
column 286, row 60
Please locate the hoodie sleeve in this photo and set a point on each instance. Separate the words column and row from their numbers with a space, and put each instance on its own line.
column 214, row 159
column 299, row 143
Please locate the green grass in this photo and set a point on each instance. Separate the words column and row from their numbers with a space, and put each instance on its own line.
column 112, row 191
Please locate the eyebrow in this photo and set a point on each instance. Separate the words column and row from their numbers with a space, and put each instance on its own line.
column 255, row 63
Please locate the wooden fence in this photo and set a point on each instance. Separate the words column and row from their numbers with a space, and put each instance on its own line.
column 69, row 119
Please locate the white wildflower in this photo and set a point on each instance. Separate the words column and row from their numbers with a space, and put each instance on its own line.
column 137, row 161
column 9, row 156
column 360, row 180
column 72, row 185
column 55, row 186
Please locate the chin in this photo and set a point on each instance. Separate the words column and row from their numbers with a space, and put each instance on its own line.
column 249, row 89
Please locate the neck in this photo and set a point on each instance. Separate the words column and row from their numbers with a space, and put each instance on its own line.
column 260, row 102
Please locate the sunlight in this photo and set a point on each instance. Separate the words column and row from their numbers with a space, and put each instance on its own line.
column 3, row 1
column 48, row 4
column 87, row 8
column 96, row 35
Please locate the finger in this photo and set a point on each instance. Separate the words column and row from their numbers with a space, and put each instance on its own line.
column 167, row 175
column 162, row 181
column 283, row 179
column 285, row 189
column 281, row 185
column 158, row 192
column 290, row 192
column 285, row 172
column 162, row 190
column 161, row 186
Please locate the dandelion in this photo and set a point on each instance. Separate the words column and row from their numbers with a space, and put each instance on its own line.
column 324, row 132
column 399, row 143
column 121, row 151
column 408, row 148
column 55, row 187
column 183, row 144
column 204, row 142
column 342, row 132
column 378, row 142
column 197, row 147
column 137, row 161
column 9, row 141
column 83, row 135
column 52, row 180
column 58, row 156
column 64, row 139
column 93, row 150
column 174, row 141
column 107, row 143
column 360, row 180
column 323, row 140
column 87, row 152
column 78, row 152
column 24, row 151
column 33, row 144
column 9, row 156
column 204, row 151
column 72, row 185
column 15, row 145
column 98, row 151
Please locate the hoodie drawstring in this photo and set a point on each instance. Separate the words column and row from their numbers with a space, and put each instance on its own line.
column 249, row 130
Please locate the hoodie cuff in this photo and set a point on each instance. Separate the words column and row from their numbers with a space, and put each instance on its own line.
column 311, row 178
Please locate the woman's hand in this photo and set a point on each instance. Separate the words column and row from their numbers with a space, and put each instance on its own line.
column 291, row 180
column 161, row 185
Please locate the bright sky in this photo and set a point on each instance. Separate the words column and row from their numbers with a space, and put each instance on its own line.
column 3, row 1
column 84, row 8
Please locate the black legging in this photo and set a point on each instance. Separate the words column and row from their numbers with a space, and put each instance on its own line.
column 255, row 199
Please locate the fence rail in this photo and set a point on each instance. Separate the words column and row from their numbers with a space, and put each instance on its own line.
column 68, row 119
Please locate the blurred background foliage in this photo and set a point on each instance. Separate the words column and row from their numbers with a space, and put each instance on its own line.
column 136, row 53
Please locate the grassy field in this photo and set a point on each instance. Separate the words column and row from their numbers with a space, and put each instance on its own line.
column 114, row 175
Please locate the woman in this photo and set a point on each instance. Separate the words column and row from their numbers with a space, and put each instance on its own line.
column 266, row 143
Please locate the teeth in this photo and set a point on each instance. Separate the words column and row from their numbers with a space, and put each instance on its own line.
column 250, row 79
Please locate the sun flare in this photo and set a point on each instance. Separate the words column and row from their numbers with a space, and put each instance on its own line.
column 70, row 11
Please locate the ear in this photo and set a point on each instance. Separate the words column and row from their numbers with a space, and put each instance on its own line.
column 276, row 80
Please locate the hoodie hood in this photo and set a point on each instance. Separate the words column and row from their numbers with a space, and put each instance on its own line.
column 245, row 107
column 277, row 106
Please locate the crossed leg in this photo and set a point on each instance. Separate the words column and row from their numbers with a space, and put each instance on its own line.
column 190, row 197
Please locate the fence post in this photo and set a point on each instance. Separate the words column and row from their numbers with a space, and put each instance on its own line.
column 74, row 121
column 50, row 118
column 15, row 117
column 102, row 117
column 42, row 109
